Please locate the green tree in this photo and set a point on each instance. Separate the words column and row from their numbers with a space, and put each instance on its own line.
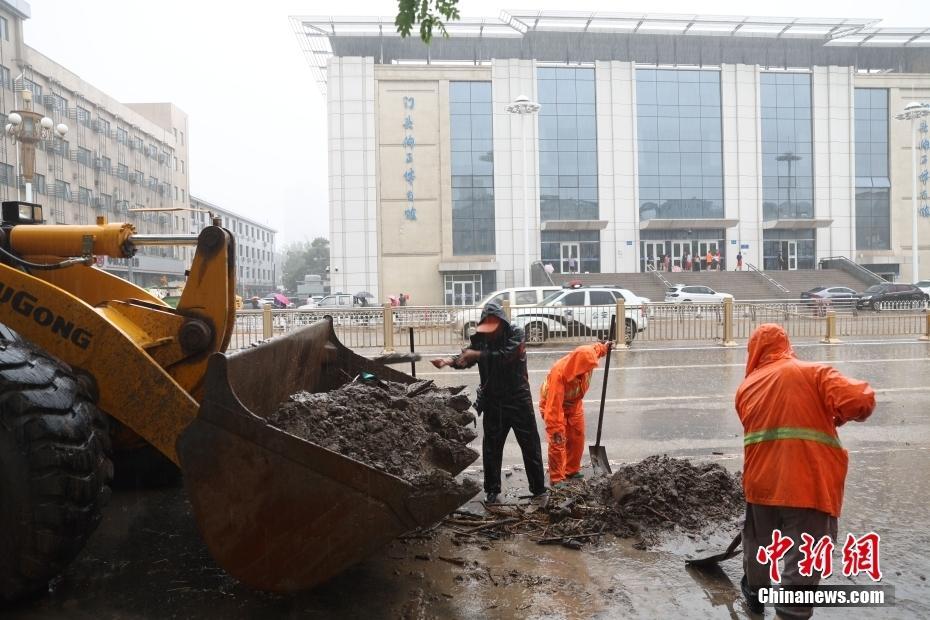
column 303, row 258
column 428, row 13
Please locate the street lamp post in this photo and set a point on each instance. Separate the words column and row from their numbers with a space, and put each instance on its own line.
column 27, row 128
column 524, row 107
column 913, row 112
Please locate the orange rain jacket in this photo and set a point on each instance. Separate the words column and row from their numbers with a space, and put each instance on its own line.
column 790, row 410
column 560, row 404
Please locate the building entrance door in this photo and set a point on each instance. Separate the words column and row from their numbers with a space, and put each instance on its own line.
column 678, row 251
column 465, row 294
column 570, row 253
column 654, row 250
column 789, row 250
column 703, row 248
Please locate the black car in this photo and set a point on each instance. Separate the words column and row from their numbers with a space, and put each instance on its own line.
column 888, row 292
column 837, row 296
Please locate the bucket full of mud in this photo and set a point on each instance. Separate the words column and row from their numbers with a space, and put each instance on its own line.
column 306, row 458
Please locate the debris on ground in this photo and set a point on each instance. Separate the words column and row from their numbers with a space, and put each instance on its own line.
column 642, row 500
column 418, row 432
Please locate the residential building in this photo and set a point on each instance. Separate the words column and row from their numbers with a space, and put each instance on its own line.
column 125, row 162
column 658, row 135
column 256, row 272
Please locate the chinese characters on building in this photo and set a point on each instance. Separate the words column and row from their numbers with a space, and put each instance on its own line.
column 860, row 555
column 924, row 176
column 409, row 142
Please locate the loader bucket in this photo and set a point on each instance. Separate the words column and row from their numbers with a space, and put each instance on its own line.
column 277, row 512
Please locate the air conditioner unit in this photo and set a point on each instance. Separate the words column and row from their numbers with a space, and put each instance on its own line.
column 99, row 126
column 48, row 100
column 72, row 113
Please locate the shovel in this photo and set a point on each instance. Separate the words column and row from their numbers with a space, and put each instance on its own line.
column 599, row 462
column 397, row 358
column 713, row 560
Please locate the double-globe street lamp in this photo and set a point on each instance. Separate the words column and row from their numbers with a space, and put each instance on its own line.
column 525, row 108
column 27, row 128
column 914, row 111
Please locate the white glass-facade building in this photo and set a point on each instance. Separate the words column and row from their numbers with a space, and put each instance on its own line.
column 662, row 136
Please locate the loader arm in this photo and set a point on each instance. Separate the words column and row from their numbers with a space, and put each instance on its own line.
column 148, row 360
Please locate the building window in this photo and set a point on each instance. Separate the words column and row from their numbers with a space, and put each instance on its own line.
column 106, row 201
column 571, row 251
column 106, row 164
column 122, row 171
column 85, row 196
column 182, row 138
column 83, row 116
column 63, row 189
column 59, row 104
column 678, row 117
column 38, row 184
column 5, row 81
column 85, row 157
column 4, row 28
column 103, row 126
column 122, row 136
column 34, row 88
column 183, row 169
column 472, row 168
column 873, row 200
column 568, row 160
column 787, row 171
column 7, row 175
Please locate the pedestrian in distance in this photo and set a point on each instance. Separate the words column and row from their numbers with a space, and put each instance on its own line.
column 739, row 261
column 667, row 262
column 504, row 398
column 709, row 260
column 717, row 261
column 795, row 467
column 782, row 263
column 560, row 404
column 686, row 261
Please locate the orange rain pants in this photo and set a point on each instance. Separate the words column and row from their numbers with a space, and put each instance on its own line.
column 560, row 404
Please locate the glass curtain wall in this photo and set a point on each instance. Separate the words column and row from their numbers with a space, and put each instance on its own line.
column 568, row 166
column 873, row 185
column 472, row 168
column 680, row 145
column 787, row 146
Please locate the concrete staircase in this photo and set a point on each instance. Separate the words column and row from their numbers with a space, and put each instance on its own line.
column 740, row 284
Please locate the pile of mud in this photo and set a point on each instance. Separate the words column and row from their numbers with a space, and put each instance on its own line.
column 645, row 499
column 417, row 432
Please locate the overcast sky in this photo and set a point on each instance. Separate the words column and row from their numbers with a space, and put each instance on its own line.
column 257, row 118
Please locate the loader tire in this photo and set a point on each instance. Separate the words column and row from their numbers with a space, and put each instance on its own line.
column 54, row 469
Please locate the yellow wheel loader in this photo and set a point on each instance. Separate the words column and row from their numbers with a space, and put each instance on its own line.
column 82, row 350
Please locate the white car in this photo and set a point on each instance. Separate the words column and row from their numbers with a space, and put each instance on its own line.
column 467, row 318
column 923, row 285
column 694, row 293
column 578, row 311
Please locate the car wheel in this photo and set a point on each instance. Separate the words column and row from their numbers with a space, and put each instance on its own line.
column 874, row 305
column 630, row 331
column 537, row 333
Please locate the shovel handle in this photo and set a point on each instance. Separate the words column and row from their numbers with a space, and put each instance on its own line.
column 600, row 415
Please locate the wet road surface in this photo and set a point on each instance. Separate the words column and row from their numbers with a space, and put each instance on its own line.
column 146, row 559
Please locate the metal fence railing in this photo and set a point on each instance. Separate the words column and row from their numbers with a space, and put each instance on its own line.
column 449, row 328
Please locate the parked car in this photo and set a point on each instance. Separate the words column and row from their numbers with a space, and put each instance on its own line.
column 924, row 285
column 837, row 296
column 581, row 310
column 888, row 292
column 467, row 318
column 690, row 293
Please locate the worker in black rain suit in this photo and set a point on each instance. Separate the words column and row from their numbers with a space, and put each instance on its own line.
column 504, row 398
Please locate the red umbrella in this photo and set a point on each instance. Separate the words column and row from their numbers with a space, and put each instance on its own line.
column 284, row 300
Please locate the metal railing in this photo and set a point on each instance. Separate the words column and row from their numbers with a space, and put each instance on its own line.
column 652, row 269
column 448, row 328
column 770, row 279
column 851, row 267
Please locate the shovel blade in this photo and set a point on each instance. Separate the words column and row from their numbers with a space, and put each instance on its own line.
column 731, row 552
column 599, row 462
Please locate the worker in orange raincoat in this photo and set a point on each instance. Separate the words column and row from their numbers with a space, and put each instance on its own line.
column 795, row 467
column 561, row 409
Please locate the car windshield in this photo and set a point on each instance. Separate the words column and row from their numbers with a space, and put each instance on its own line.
column 816, row 289
column 551, row 297
column 875, row 288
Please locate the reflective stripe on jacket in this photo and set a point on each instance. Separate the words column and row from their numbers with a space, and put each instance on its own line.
column 790, row 410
